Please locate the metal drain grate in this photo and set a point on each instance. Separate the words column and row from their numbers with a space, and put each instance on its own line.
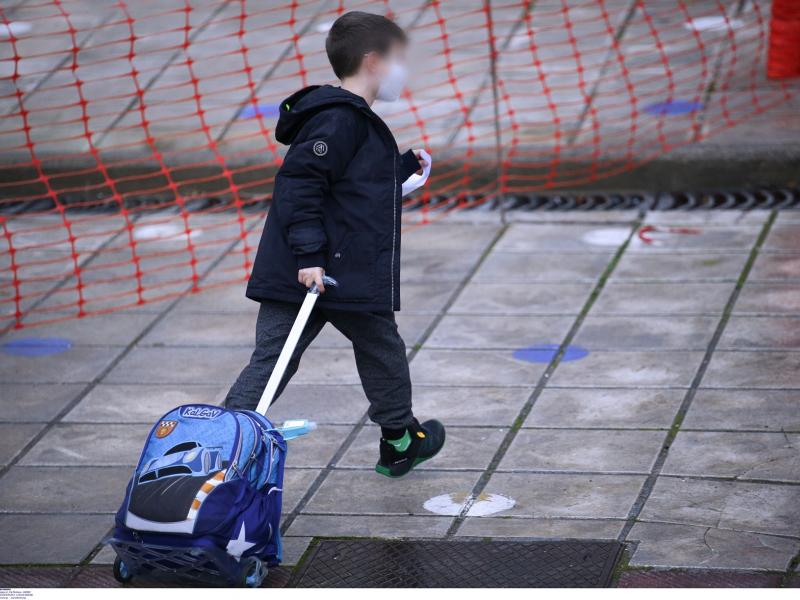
column 376, row 563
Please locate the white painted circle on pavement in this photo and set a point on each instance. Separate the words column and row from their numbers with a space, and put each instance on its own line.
column 484, row 505
column 716, row 23
column 324, row 27
column 606, row 237
column 163, row 231
column 15, row 28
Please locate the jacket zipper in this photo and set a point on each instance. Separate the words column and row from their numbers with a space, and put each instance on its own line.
column 394, row 220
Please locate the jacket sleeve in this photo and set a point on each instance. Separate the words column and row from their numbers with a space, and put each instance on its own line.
column 317, row 158
column 409, row 164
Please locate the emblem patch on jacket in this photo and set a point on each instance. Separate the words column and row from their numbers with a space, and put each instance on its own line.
column 165, row 428
column 320, row 148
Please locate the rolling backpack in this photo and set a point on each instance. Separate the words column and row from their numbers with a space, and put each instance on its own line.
column 205, row 499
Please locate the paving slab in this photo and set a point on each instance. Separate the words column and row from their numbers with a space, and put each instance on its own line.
column 646, row 333
column 754, row 507
column 63, row 489
column 79, row 445
column 366, row 492
column 768, row 298
column 505, row 267
column 777, row 410
column 323, row 404
column 295, row 485
column 615, row 451
column 293, row 549
column 317, row 448
column 30, row 402
column 199, row 366
column 783, row 237
column 776, row 268
column 14, row 437
column 29, row 539
column 517, row 299
column 779, row 333
column 670, row 545
column 775, row 370
column 717, row 237
column 215, row 300
column 546, row 238
column 191, row 329
column 743, row 455
column 423, row 266
column 469, row 405
column 425, row 298
column 487, row 332
column 629, row 369
column 384, row 526
column 461, row 367
column 500, row 527
column 467, row 448
column 707, row 268
column 688, row 298
column 125, row 403
column 558, row 495
column 78, row 364
column 451, row 236
column 605, row 408
column 102, row 330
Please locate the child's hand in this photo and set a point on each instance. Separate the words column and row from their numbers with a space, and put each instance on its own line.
column 422, row 160
column 310, row 276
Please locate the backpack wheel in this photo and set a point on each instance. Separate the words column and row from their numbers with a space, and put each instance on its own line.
column 253, row 572
column 121, row 572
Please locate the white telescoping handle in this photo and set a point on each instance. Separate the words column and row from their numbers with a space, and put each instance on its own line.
column 291, row 343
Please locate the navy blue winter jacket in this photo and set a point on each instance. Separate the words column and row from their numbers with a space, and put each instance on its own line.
column 336, row 204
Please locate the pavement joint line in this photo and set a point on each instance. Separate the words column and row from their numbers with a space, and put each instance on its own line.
column 487, row 79
column 701, row 526
column 348, row 441
column 67, row 58
column 522, row 416
column 196, row 32
column 683, row 409
column 109, row 368
column 253, row 96
column 621, row 29
column 698, row 130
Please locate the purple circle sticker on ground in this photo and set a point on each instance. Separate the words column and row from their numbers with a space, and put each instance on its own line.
column 260, row 110
column 673, row 107
column 544, row 353
column 34, row 347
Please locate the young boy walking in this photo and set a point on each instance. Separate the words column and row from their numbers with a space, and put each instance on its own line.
column 336, row 208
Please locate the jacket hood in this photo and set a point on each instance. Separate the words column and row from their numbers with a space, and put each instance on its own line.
column 300, row 106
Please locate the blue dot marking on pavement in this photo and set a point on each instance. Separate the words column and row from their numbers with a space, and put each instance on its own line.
column 544, row 353
column 263, row 110
column 34, row 347
column 673, row 107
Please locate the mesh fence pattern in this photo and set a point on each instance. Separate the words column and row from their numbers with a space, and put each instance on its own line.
column 120, row 120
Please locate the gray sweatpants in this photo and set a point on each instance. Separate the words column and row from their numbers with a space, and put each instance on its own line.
column 379, row 351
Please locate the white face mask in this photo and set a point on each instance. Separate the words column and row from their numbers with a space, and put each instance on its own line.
column 393, row 82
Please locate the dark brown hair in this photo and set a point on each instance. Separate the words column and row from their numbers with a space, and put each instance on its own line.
column 357, row 33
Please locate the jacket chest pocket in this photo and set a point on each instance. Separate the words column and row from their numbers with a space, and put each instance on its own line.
column 353, row 263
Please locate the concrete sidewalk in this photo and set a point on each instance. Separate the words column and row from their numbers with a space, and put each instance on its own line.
column 671, row 421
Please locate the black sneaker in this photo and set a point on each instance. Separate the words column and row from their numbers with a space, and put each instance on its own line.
column 425, row 442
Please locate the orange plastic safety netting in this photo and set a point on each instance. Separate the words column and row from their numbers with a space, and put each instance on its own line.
column 137, row 136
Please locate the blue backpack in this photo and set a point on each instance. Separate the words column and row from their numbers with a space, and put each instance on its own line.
column 208, row 479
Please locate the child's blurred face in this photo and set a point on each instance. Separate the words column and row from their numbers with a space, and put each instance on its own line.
column 388, row 72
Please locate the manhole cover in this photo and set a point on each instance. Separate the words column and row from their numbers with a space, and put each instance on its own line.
column 373, row 563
